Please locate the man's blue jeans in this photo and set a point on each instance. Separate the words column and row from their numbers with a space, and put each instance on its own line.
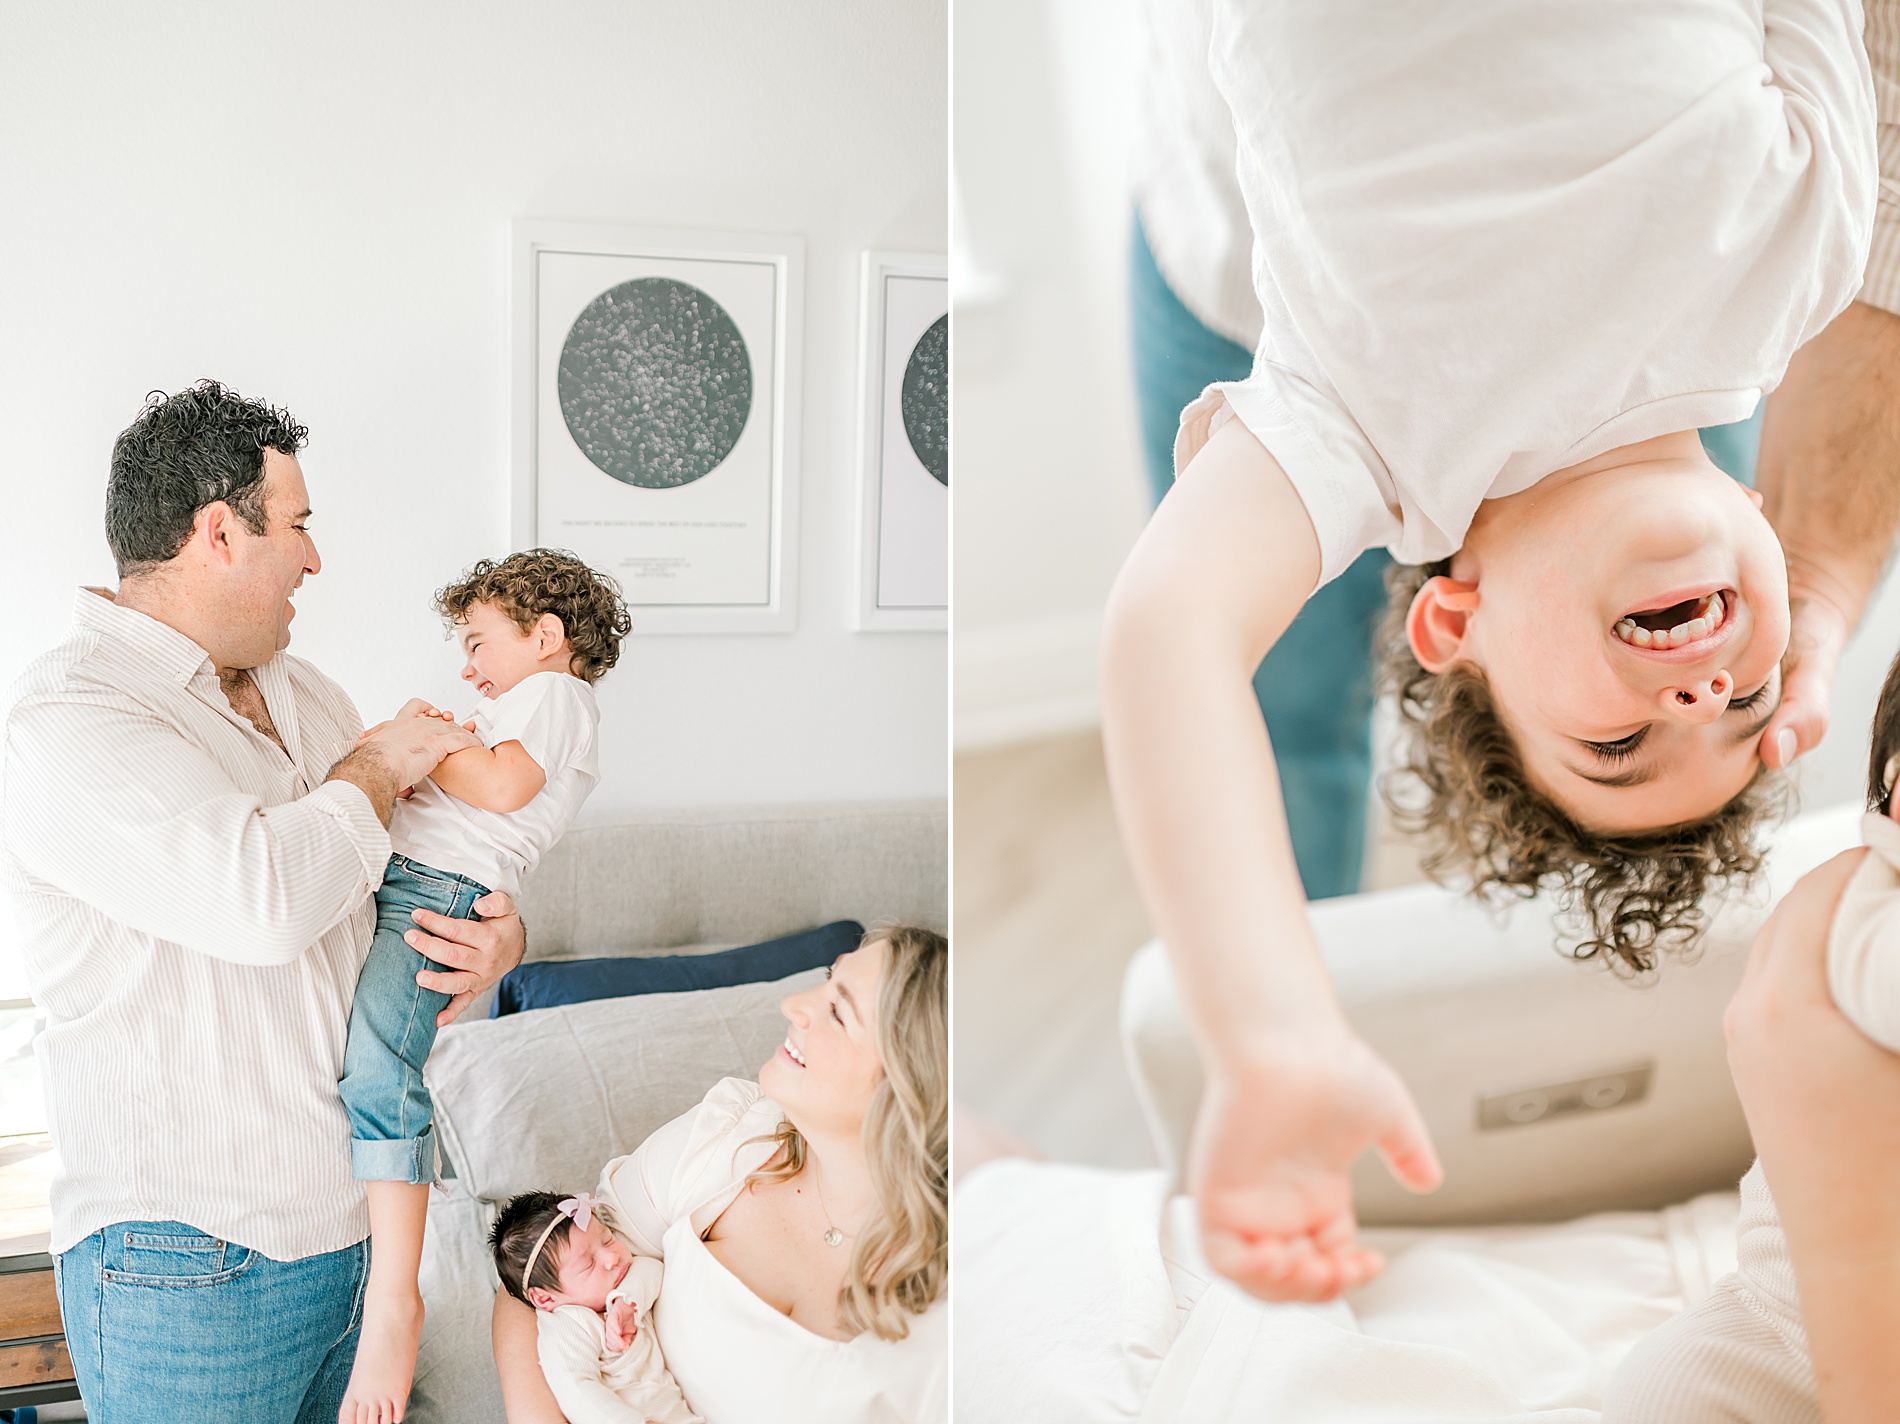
column 166, row 1324
column 392, row 1028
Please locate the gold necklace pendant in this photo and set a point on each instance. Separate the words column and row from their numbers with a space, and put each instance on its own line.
column 833, row 1236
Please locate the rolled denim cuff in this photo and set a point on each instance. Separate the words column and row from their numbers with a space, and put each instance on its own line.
column 401, row 1159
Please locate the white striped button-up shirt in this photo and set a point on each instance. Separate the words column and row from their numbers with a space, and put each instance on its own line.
column 1882, row 287
column 194, row 909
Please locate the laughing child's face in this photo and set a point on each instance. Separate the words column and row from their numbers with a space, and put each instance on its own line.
column 592, row 1263
column 500, row 654
column 1630, row 615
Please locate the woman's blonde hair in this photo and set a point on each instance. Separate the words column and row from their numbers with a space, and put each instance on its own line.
column 902, row 1258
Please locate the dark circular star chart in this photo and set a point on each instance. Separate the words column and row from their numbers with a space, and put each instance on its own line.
column 927, row 399
column 656, row 383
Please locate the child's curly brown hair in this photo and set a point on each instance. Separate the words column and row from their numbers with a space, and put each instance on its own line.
column 1462, row 783
column 537, row 581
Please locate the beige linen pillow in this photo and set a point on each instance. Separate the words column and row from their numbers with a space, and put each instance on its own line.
column 543, row 1100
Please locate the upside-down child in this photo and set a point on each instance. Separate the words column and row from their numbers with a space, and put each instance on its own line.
column 537, row 630
column 1511, row 258
column 592, row 1295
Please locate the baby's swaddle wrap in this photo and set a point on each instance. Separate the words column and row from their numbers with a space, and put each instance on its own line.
column 594, row 1385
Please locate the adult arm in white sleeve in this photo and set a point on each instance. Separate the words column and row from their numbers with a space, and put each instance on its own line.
column 641, row 1284
column 638, row 1209
column 1863, row 952
column 113, row 806
column 1293, row 1094
column 687, row 1163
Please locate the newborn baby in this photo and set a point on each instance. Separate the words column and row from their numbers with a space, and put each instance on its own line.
column 592, row 1295
column 1742, row 1354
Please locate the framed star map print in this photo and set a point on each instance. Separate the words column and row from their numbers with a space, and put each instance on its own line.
column 904, row 442
column 656, row 401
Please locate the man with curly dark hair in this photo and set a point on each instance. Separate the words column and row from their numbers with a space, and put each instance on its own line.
column 192, row 828
column 538, row 629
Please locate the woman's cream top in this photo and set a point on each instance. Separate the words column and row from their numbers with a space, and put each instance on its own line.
column 738, row 1359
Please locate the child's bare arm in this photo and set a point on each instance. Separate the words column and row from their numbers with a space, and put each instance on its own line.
column 1293, row 1095
column 502, row 778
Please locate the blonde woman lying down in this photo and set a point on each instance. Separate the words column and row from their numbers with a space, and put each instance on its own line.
column 802, row 1219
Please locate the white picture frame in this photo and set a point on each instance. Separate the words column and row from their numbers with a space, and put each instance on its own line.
column 903, row 574
column 695, row 514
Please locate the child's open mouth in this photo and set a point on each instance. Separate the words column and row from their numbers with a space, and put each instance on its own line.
column 1679, row 624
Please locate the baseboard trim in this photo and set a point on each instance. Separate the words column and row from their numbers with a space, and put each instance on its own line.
column 1030, row 680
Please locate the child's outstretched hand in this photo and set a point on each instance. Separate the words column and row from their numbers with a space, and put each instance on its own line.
column 623, row 1323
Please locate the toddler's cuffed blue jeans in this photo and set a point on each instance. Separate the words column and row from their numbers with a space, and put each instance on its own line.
column 165, row 1323
column 392, row 1028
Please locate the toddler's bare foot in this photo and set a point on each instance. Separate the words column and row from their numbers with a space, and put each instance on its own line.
column 385, row 1358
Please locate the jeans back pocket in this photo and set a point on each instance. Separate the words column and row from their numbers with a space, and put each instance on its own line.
column 159, row 1254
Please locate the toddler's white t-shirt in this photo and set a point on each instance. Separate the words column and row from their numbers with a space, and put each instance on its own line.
column 555, row 718
column 1492, row 241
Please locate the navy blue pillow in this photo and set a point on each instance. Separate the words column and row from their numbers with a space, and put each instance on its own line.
column 575, row 981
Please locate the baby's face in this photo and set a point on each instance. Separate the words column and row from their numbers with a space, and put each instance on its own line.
column 1631, row 620
column 497, row 654
column 593, row 1262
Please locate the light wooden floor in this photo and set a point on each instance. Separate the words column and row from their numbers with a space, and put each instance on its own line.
column 1046, row 919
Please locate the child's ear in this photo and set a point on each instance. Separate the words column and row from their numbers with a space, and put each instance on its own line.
column 540, row 1299
column 1436, row 622
column 548, row 632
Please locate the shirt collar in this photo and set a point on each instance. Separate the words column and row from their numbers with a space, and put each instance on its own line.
column 164, row 647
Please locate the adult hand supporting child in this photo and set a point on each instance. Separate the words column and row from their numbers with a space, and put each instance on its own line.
column 1823, row 1105
column 1292, row 1095
column 478, row 952
column 1829, row 475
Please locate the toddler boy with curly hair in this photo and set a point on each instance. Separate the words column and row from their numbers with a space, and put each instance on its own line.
column 537, row 630
column 1510, row 259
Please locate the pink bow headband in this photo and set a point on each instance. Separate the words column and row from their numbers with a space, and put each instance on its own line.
column 581, row 1209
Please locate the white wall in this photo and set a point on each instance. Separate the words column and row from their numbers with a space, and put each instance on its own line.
column 311, row 203
column 1049, row 489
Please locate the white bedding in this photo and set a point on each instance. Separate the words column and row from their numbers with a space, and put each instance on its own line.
column 1081, row 1300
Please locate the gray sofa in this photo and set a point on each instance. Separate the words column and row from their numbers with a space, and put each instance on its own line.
column 545, row 1099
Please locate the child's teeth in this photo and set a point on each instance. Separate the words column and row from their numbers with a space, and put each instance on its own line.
column 1641, row 637
column 1679, row 634
column 1715, row 610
